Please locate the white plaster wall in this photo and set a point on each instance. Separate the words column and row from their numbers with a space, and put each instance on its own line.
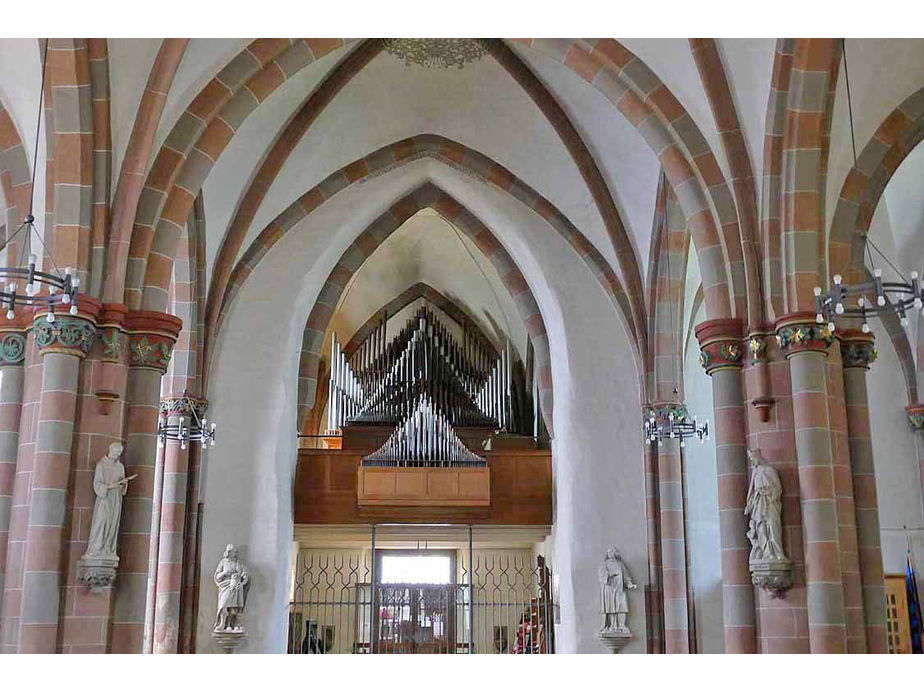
column 672, row 61
column 203, row 59
column 628, row 164
column 883, row 73
column 130, row 62
column 748, row 66
column 428, row 249
column 238, row 163
column 20, row 80
column 599, row 481
column 480, row 106
column 702, row 510
column 898, row 482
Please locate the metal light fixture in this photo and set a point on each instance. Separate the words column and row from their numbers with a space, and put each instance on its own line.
column 195, row 430
column 40, row 289
column 672, row 421
column 436, row 52
column 873, row 297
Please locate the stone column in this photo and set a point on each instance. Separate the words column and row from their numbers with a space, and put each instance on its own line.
column 805, row 345
column 916, row 419
column 857, row 353
column 172, row 526
column 12, row 356
column 653, row 522
column 722, row 357
column 673, row 540
column 151, row 337
column 61, row 344
column 154, row 544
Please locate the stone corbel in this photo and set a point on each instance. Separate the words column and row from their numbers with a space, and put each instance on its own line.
column 110, row 381
column 773, row 576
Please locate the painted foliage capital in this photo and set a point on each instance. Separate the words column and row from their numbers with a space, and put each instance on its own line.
column 916, row 416
column 67, row 335
column 798, row 333
column 151, row 337
column 720, row 344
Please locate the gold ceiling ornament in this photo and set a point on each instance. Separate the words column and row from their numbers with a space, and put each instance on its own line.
column 436, row 52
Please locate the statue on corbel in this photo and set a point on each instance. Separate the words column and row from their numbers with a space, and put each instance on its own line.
column 770, row 568
column 615, row 579
column 233, row 582
column 97, row 567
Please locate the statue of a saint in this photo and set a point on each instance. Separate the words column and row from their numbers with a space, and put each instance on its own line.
column 764, row 509
column 615, row 579
column 233, row 582
column 109, row 485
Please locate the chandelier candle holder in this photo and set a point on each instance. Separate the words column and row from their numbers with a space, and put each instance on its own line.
column 894, row 297
column 42, row 290
column 673, row 422
column 186, row 430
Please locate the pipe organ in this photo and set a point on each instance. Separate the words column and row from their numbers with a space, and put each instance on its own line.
column 425, row 383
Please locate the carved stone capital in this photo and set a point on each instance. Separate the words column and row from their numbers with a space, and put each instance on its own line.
column 798, row 333
column 857, row 349
column 151, row 337
column 774, row 576
column 720, row 344
column 68, row 334
column 757, row 348
column 916, row 416
column 12, row 348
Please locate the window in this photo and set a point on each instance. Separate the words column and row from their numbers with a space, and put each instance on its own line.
column 416, row 569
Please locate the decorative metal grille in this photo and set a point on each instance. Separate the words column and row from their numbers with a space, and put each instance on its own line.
column 338, row 608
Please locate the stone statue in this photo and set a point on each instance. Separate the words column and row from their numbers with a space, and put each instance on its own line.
column 615, row 579
column 97, row 566
column 764, row 508
column 233, row 582
column 770, row 568
column 109, row 485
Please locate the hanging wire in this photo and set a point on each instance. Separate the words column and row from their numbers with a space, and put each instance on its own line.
column 868, row 243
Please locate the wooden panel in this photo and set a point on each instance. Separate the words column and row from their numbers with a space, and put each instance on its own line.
column 377, row 483
column 515, row 489
column 411, row 484
column 898, row 623
column 442, row 483
column 420, row 487
column 474, row 485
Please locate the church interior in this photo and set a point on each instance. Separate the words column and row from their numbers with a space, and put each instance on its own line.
column 461, row 346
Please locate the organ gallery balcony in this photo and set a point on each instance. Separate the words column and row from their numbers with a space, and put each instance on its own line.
column 513, row 487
